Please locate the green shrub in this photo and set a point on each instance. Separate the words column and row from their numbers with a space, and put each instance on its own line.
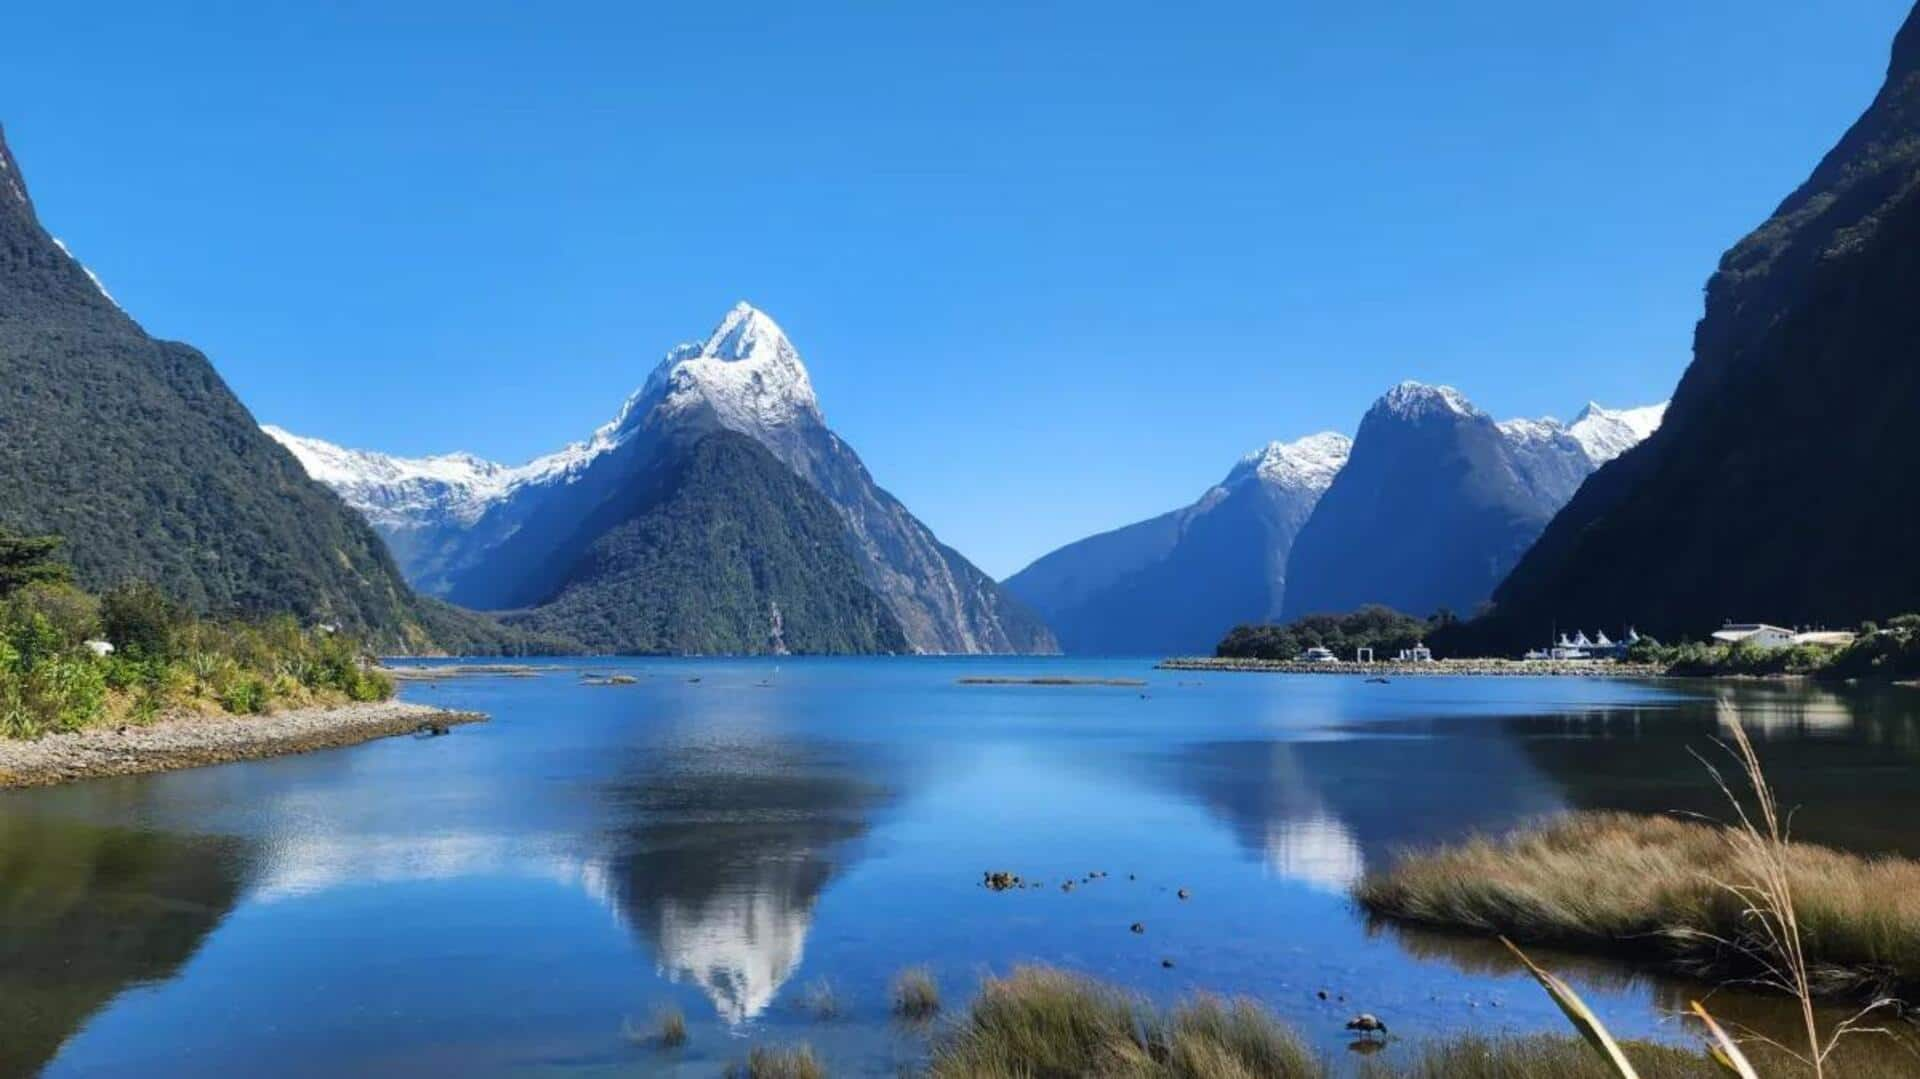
column 73, row 615
column 140, row 620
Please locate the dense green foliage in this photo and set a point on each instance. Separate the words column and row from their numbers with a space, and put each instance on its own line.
column 709, row 543
column 137, row 454
column 1382, row 629
column 135, row 451
column 164, row 659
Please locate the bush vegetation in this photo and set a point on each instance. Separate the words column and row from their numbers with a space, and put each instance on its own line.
column 1382, row 629
column 164, row 659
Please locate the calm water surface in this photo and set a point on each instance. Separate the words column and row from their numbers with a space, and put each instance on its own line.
column 727, row 836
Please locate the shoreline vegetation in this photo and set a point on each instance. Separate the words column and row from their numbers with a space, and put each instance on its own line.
column 1041, row 1022
column 1889, row 653
column 1652, row 889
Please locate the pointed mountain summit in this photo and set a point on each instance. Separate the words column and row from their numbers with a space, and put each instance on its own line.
column 1780, row 485
column 1438, row 500
column 1178, row 582
column 746, row 372
column 136, row 452
column 547, row 527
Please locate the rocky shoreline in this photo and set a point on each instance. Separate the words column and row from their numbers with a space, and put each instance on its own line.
column 192, row 741
column 1514, row 668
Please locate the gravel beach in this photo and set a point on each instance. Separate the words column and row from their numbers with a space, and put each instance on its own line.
column 194, row 741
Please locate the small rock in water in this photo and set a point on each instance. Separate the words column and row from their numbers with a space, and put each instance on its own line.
column 1322, row 994
column 1167, row 964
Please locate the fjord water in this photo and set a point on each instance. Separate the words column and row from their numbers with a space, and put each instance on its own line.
column 729, row 836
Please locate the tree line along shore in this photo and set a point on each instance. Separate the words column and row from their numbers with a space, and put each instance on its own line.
column 1378, row 640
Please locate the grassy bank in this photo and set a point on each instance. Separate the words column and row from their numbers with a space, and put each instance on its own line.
column 163, row 662
column 1042, row 1023
column 1657, row 889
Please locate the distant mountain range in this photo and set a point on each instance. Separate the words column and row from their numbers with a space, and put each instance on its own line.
column 1438, row 501
column 1426, row 508
column 1178, row 581
column 1782, row 486
column 548, row 539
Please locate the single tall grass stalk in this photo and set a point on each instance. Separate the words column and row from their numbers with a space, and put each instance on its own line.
column 1761, row 841
column 1582, row 1017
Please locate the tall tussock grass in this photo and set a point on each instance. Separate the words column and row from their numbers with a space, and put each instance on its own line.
column 1740, row 901
column 1039, row 1023
column 797, row 1062
column 1659, row 887
column 1538, row 1057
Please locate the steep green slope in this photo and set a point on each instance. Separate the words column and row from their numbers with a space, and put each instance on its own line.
column 136, row 452
column 1782, row 485
column 697, row 551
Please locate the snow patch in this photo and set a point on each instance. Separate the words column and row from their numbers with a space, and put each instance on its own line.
column 84, row 268
column 1307, row 464
column 1411, row 400
column 1608, row 433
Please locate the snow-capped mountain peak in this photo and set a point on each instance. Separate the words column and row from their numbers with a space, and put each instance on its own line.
column 1307, row 464
column 1607, row 433
column 1410, row 400
column 747, row 371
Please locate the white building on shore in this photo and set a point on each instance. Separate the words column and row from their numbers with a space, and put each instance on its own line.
column 1765, row 635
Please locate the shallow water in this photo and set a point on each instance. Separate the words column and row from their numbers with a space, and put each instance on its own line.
column 517, row 896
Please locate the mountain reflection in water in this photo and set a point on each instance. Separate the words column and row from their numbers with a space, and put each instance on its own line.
column 721, row 851
column 87, row 911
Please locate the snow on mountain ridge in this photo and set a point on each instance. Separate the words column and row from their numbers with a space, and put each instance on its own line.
column 1412, row 399
column 1607, row 433
column 1308, row 463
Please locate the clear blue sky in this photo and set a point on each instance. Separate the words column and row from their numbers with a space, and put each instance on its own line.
column 1053, row 267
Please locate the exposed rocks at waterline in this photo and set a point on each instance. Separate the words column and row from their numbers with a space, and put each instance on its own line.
column 194, row 741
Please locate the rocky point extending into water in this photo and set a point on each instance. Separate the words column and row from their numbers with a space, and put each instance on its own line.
column 190, row 742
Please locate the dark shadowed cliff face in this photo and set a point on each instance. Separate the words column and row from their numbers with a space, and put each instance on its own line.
column 1176, row 583
column 136, row 452
column 1434, row 506
column 1785, row 483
